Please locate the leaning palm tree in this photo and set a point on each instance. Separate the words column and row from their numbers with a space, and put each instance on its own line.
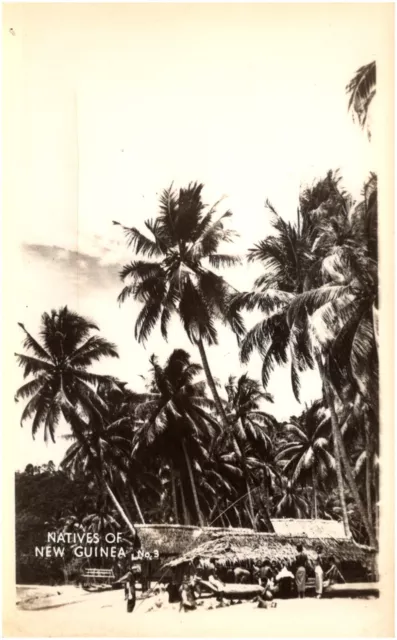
column 110, row 448
column 89, row 447
column 304, row 452
column 58, row 365
column 175, row 416
column 176, row 275
column 362, row 89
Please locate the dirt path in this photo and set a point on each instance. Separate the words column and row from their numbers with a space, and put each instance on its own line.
column 104, row 614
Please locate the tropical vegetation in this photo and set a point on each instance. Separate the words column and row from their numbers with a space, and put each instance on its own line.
column 190, row 449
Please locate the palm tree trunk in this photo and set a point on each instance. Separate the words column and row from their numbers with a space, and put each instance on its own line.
column 375, row 324
column 173, row 489
column 184, row 508
column 193, row 485
column 377, row 505
column 120, row 509
column 368, row 472
column 221, row 518
column 354, row 489
column 250, row 516
column 136, row 504
column 124, row 505
column 314, row 493
column 335, row 429
column 265, row 503
column 340, row 446
column 250, row 502
column 239, row 451
column 211, row 383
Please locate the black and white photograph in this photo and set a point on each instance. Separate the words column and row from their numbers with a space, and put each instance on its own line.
column 197, row 303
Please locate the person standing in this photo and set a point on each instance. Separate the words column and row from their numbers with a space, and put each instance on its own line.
column 300, row 572
column 319, row 573
column 130, row 590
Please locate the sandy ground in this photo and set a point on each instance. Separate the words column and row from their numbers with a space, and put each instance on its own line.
column 70, row 611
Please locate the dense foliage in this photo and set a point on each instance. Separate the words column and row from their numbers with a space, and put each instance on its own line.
column 45, row 499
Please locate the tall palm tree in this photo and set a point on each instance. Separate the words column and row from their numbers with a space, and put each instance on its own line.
column 362, row 90
column 341, row 319
column 60, row 380
column 304, row 452
column 288, row 283
column 175, row 419
column 177, row 276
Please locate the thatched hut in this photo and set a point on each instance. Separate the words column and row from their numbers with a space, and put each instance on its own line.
column 179, row 546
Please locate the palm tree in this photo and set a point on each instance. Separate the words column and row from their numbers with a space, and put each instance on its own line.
column 293, row 264
column 305, row 450
column 221, row 480
column 333, row 303
column 178, row 275
column 362, row 90
column 61, row 383
column 175, row 419
column 109, row 445
column 290, row 501
column 343, row 308
column 101, row 522
column 286, row 261
column 89, row 447
column 249, row 425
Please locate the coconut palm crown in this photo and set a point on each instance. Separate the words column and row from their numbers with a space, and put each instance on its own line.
column 61, row 383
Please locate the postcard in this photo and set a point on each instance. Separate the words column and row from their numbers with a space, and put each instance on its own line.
column 197, row 327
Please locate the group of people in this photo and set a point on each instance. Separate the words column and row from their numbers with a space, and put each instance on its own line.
column 279, row 580
column 303, row 565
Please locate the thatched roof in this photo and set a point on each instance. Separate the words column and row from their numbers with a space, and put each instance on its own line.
column 318, row 528
column 242, row 547
column 175, row 539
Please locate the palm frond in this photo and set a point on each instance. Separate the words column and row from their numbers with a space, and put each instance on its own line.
column 141, row 244
column 223, row 260
column 362, row 89
column 32, row 365
column 31, row 343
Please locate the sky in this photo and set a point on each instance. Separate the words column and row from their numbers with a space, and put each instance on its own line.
column 106, row 105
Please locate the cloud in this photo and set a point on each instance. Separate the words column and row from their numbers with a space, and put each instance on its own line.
column 79, row 267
